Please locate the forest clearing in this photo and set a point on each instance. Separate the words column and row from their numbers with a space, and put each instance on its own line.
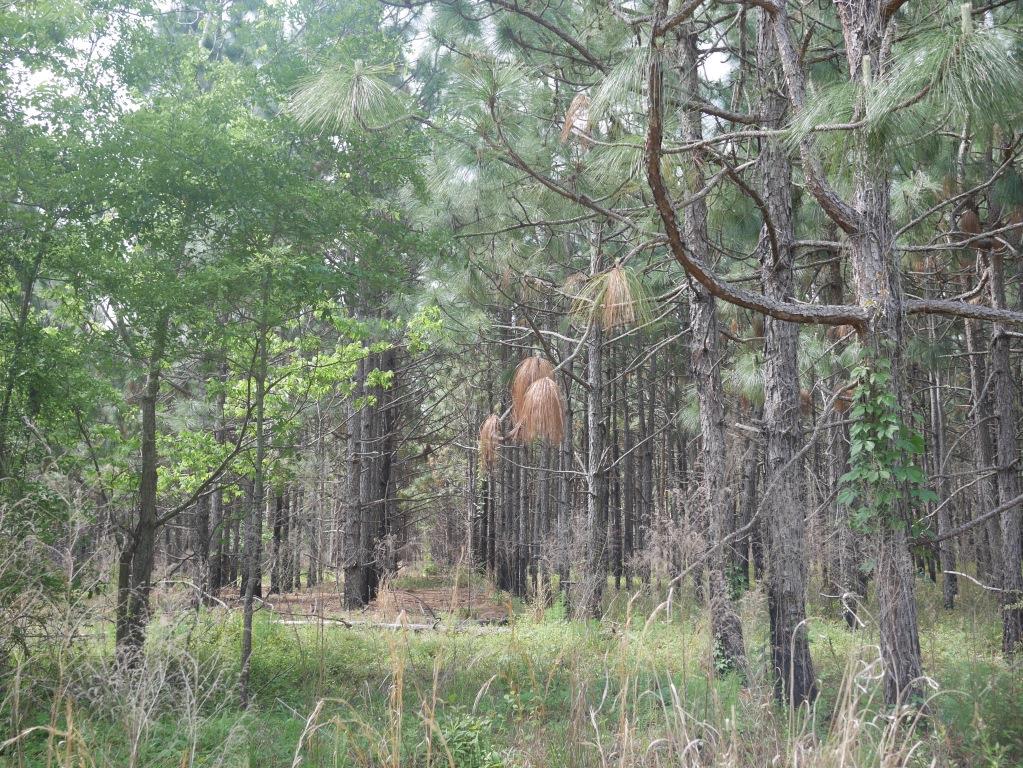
column 507, row 383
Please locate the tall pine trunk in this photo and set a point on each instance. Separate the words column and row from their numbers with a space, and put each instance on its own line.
column 785, row 531
column 591, row 587
column 706, row 362
column 1008, row 471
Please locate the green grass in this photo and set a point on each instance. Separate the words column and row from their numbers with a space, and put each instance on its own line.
column 541, row 692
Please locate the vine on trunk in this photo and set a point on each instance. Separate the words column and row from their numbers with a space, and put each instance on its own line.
column 882, row 453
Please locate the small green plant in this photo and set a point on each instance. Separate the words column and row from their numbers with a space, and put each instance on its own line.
column 881, row 455
column 467, row 738
column 722, row 663
column 735, row 576
column 521, row 702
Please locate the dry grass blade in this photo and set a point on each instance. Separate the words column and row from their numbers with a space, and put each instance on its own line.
column 542, row 414
column 490, row 441
column 530, row 370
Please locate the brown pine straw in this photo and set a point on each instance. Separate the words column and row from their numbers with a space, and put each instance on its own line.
column 542, row 414
column 530, row 370
column 507, row 278
column 490, row 441
column 806, row 402
column 578, row 111
column 610, row 298
column 617, row 307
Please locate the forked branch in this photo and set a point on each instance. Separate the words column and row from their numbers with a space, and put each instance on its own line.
column 822, row 314
column 701, row 272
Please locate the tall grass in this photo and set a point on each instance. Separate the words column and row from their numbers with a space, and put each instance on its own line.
column 638, row 689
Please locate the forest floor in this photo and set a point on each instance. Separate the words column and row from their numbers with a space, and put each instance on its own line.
column 412, row 599
column 640, row 688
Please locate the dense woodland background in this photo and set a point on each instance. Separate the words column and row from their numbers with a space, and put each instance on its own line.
column 658, row 363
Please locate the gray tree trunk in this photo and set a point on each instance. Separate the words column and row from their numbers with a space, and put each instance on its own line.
column 946, row 549
column 706, row 362
column 990, row 554
column 591, row 582
column 354, row 555
column 1008, row 472
column 142, row 544
column 876, row 276
column 785, row 531
column 254, row 516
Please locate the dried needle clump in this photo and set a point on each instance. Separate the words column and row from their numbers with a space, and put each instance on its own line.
column 490, row 441
column 542, row 412
column 530, row 370
column 615, row 299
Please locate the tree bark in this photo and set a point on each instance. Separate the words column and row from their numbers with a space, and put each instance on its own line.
column 279, row 560
column 201, row 534
column 782, row 505
column 354, row 554
column 877, row 279
column 990, row 555
column 1008, row 472
column 591, row 587
column 254, row 516
column 142, row 545
column 946, row 548
column 564, row 542
column 706, row 362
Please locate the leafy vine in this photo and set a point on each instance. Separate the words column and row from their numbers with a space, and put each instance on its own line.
column 882, row 463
